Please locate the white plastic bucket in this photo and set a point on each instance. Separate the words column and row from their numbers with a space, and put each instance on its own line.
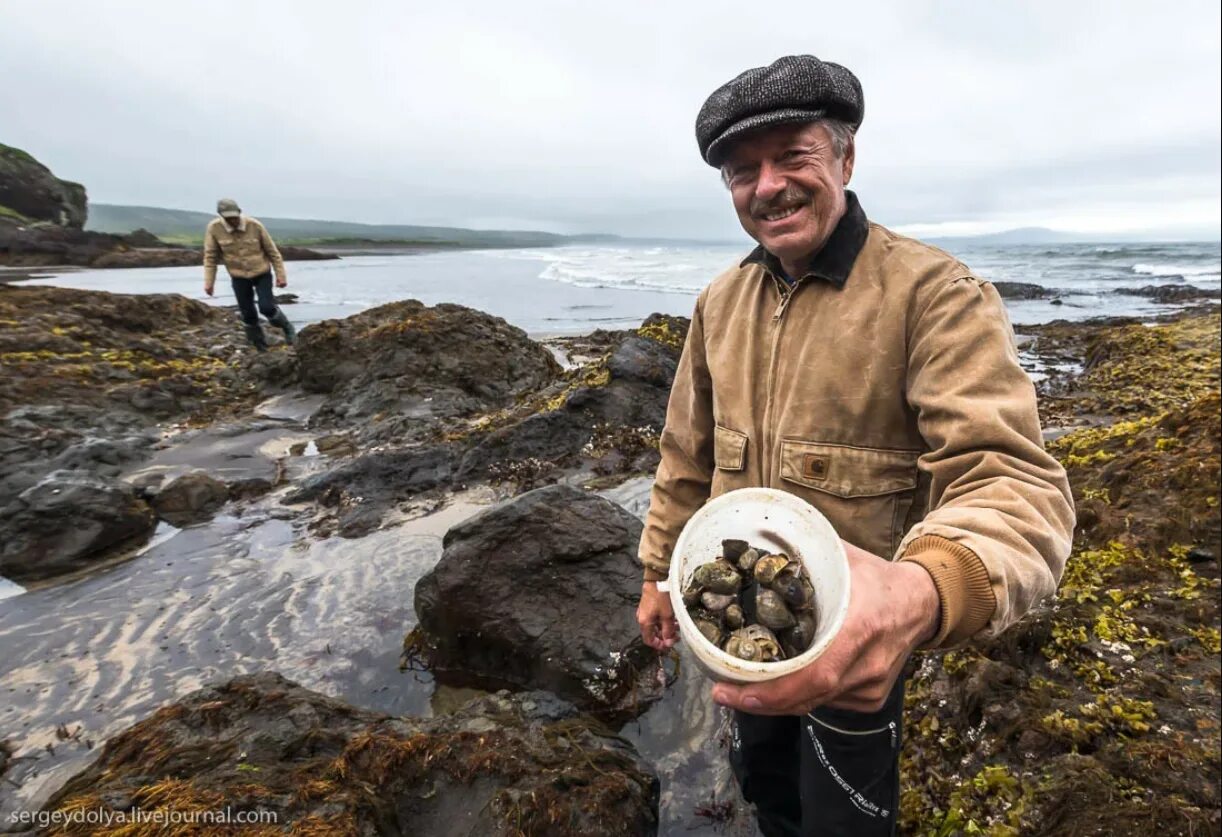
column 779, row 522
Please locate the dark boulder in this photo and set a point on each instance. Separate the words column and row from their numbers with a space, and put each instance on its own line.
column 541, row 593
column 68, row 520
column 191, row 498
column 642, row 359
column 302, row 254
column 405, row 365
column 1022, row 290
column 1170, row 293
column 605, row 415
column 379, row 479
column 617, row 407
column 501, row 765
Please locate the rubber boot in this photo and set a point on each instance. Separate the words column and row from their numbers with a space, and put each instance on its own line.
column 282, row 322
column 254, row 333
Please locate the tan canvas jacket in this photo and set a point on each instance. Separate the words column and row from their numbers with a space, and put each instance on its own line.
column 884, row 388
column 247, row 251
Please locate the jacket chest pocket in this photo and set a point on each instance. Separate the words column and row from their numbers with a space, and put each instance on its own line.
column 866, row 493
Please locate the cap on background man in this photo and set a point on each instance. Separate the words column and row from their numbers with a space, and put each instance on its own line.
column 228, row 208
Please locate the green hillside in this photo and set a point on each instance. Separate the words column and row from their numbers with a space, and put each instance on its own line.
column 186, row 227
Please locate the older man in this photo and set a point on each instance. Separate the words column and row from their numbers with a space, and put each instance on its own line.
column 876, row 378
column 250, row 255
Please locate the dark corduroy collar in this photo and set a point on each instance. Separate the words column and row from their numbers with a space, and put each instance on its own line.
column 835, row 260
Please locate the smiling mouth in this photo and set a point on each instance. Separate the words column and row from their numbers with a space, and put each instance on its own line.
column 780, row 214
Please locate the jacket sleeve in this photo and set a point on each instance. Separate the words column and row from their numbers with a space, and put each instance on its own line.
column 271, row 251
column 1001, row 517
column 686, row 470
column 211, row 251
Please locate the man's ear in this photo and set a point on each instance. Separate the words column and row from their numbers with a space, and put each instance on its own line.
column 850, row 155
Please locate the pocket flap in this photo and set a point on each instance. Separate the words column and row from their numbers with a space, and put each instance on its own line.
column 848, row 471
column 729, row 449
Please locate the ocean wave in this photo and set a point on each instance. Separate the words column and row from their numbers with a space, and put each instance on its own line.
column 1176, row 269
column 625, row 270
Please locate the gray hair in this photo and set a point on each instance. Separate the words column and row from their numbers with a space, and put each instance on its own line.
column 840, row 131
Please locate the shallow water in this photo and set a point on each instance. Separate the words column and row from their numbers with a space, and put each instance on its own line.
column 249, row 592
column 577, row 288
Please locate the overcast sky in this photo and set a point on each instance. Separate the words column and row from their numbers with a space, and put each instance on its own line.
column 578, row 117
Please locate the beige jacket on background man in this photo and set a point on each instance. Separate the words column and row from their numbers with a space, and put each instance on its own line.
column 890, row 397
column 247, row 251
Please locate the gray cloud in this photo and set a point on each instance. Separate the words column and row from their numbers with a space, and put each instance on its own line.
column 574, row 117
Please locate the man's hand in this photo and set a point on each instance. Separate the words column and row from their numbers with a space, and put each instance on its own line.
column 893, row 608
column 281, row 282
column 656, row 618
column 207, row 289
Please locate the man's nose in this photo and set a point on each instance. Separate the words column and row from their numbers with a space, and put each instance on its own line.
column 770, row 183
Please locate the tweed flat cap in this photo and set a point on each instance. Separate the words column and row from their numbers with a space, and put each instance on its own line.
column 796, row 88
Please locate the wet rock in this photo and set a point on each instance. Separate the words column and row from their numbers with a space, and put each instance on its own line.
column 358, row 522
column 24, row 464
column 276, row 370
column 64, row 348
column 617, row 416
column 1170, row 293
column 153, row 398
column 1022, row 290
column 303, row 254
column 606, row 415
column 379, row 480
column 401, row 366
column 162, row 256
column 499, row 765
column 540, row 593
column 641, row 359
column 68, row 520
column 189, row 499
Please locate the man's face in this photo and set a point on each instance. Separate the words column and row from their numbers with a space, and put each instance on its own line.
column 788, row 188
column 232, row 221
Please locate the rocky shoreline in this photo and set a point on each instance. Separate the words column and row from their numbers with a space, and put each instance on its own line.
column 42, row 220
column 307, row 491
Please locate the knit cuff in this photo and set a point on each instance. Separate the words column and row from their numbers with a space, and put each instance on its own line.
column 964, row 590
column 652, row 574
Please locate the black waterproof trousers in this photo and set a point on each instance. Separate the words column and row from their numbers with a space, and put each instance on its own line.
column 831, row 773
column 245, row 291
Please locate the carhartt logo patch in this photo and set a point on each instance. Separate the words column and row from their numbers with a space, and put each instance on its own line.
column 814, row 466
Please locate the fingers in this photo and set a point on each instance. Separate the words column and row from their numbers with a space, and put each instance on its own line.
column 650, row 629
column 793, row 694
column 658, row 632
column 670, row 630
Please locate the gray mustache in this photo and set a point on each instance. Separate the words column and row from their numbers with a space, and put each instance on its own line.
column 789, row 198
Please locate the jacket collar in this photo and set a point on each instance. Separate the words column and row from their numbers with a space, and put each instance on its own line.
column 241, row 224
column 832, row 263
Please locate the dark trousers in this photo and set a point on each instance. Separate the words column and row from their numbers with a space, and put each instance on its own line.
column 245, row 291
column 829, row 773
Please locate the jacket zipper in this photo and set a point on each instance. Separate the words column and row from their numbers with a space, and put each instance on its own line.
column 786, row 294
